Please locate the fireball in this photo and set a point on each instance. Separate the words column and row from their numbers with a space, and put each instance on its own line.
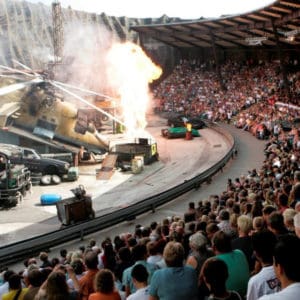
column 130, row 71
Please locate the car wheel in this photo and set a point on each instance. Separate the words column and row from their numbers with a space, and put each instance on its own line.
column 55, row 179
column 46, row 179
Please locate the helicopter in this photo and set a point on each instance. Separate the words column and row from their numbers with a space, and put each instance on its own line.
column 46, row 112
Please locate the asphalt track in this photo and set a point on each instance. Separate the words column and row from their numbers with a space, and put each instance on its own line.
column 179, row 160
column 176, row 163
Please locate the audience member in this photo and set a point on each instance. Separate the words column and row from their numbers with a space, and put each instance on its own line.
column 265, row 282
column 86, row 282
column 15, row 289
column 104, row 287
column 215, row 274
column 176, row 281
column 45, row 260
column 243, row 241
column 4, row 288
column 199, row 251
column 297, row 224
column 235, row 260
column 139, row 254
column 287, row 266
column 34, row 283
column 139, row 276
column 275, row 223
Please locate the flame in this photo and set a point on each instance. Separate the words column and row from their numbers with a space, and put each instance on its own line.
column 130, row 72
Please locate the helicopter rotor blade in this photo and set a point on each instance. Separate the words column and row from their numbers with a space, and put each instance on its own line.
column 85, row 90
column 16, row 71
column 18, row 86
column 87, row 102
column 25, row 67
column 9, row 77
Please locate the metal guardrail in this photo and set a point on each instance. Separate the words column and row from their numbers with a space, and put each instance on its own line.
column 31, row 247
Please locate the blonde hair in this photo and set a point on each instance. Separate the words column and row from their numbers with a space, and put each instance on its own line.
column 76, row 255
column 244, row 224
column 297, row 220
column 233, row 221
column 288, row 214
column 174, row 254
column 258, row 223
column 204, row 218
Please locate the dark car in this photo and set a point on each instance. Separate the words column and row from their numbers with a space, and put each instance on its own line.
column 182, row 120
column 34, row 161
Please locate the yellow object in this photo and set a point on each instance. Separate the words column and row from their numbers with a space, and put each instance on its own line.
column 153, row 149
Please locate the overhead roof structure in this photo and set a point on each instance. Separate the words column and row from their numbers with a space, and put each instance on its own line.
column 252, row 28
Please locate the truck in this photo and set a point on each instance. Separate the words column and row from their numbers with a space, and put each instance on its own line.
column 142, row 147
column 15, row 181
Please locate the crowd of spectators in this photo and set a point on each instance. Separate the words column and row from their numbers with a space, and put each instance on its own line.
column 240, row 244
column 193, row 90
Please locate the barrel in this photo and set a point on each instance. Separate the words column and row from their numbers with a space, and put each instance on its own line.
column 137, row 165
column 50, row 199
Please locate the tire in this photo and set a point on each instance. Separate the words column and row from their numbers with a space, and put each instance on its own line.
column 55, row 179
column 46, row 179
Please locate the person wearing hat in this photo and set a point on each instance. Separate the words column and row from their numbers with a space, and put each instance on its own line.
column 199, row 252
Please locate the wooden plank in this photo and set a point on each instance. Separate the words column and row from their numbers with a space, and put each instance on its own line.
column 107, row 168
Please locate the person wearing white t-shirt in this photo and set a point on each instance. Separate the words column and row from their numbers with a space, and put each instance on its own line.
column 286, row 265
column 139, row 276
column 265, row 282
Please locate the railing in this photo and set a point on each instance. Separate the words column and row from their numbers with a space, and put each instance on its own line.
column 31, row 247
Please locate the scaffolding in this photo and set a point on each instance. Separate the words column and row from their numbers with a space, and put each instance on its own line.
column 58, row 34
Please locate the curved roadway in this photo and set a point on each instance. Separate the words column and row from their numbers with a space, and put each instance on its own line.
column 250, row 155
column 179, row 160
